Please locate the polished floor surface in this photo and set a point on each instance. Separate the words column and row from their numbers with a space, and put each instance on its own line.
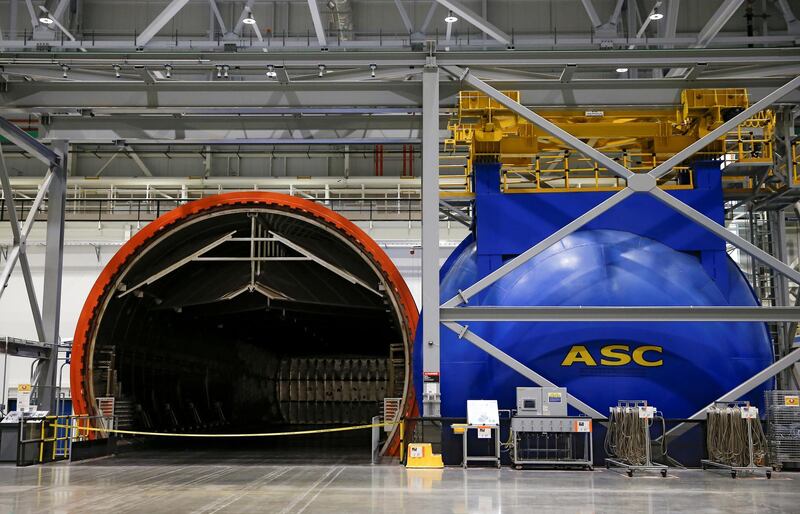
column 169, row 482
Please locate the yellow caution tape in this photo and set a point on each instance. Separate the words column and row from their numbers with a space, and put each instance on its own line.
column 263, row 434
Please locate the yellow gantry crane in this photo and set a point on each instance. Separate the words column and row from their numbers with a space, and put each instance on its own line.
column 640, row 139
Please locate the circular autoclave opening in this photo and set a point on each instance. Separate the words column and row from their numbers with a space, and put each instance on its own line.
column 248, row 316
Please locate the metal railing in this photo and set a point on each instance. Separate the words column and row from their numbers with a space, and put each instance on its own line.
column 51, row 438
column 751, row 143
column 560, row 172
column 142, row 210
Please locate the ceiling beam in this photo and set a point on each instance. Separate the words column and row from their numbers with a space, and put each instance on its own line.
column 218, row 16
column 316, row 18
column 695, row 71
column 31, row 145
column 60, row 26
column 58, row 12
column 477, row 21
column 429, row 17
column 592, row 13
column 158, row 23
column 671, row 19
column 308, row 59
column 237, row 29
column 404, row 16
column 138, row 160
column 32, row 13
column 567, row 73
column 717, row 22
column 628, row 314
column 792, row 23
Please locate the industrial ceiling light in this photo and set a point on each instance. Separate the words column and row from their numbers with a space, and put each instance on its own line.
column 372, row 68
column 64, row 70
column 271, row 72
column 251, row 22
column 450, row 18
column 225, row 71
column 45, row 18
column 321, row 70
column 622, row 70
column 655, row 14
column 116, row 70
column 168, row 69
column 219, row 71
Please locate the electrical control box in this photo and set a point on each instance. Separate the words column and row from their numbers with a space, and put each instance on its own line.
column 550, row 425
column 541, row 401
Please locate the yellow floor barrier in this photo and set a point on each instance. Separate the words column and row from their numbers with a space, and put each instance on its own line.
column 421, row 456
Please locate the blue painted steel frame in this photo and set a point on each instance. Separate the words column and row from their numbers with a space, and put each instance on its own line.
column 509, row 224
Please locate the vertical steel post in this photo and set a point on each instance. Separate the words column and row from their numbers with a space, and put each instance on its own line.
column 777, row 227
column 375, row 447
column 47, row 369
column 430, row 238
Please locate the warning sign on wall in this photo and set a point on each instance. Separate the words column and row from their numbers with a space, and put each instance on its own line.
column 23, row 397
column 791, row 401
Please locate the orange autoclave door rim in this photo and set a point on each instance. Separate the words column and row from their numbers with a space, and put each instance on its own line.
column 155, row 228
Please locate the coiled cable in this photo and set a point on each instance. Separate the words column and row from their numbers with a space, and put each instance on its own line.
column 727, row 437
column 628, row 436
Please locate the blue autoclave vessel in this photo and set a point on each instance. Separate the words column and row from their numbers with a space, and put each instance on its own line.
column 640, row 253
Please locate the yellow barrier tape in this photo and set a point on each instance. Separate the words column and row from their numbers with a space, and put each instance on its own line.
column 263, row 434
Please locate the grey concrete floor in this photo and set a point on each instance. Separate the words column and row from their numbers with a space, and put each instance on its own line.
column 172, row 483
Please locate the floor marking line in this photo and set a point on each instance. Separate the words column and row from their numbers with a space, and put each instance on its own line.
column 289, row 507
column 329, row 482
column 233, row 498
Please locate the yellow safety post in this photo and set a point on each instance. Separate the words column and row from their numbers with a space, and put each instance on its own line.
column 41, row 444
column 402, row 439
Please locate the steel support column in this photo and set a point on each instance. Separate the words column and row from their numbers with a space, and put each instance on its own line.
column 17, row 252
column 777, row 227
column 47, row 369
column 430, row 238
column 620, row 314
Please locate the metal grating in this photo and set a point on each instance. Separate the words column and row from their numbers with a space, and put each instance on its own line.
column 783, row 419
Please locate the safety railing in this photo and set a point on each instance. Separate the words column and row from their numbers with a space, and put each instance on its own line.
column 140, row 210
column 750, row 143
column 566, row 172
column 51, row 438
column 455, row 172
column 795, row 162
column 476, row 101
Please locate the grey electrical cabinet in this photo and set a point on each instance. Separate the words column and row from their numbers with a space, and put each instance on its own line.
column 541, row 401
